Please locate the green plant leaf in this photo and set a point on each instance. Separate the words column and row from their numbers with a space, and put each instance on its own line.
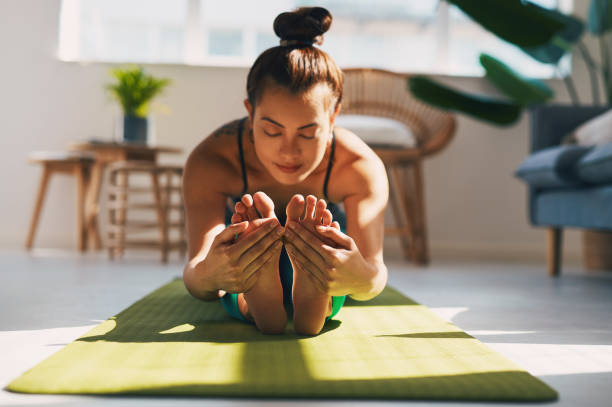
column 518, row 88
column 134, row 89
column 552, row 52
column 519, row 22
column 493, row 111
column 600, row 16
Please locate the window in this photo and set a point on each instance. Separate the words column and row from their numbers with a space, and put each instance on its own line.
column 425, row 36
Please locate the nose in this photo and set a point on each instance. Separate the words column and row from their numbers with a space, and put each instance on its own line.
column 289, row 146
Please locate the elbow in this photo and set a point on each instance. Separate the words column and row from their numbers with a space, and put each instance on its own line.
column 194, row 287
column 374, row 284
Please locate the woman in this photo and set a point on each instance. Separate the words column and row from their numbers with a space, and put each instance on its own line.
column 279, row 252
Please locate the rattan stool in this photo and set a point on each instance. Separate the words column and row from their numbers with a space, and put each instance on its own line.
column 77, row 164
column 163, row 191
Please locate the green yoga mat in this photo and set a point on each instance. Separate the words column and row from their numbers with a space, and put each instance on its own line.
column 169, row 343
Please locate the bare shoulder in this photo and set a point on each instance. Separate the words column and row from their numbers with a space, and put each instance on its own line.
column 214, row 161
column 359, row 169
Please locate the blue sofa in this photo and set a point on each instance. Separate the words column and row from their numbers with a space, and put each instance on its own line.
column 565, row 189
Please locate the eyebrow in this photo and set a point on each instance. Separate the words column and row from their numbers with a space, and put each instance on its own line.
column 280, row 125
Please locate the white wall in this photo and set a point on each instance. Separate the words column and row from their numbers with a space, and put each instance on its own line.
column 475, row 208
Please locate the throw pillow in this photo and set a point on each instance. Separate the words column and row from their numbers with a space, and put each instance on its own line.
column 552, row 167
column 596, row 131
column 596, row 166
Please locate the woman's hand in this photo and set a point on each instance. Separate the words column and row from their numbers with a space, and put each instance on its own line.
column 336, row 270
column 232, row 265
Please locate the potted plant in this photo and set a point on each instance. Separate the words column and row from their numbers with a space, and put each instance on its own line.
column 135, row 89
column 545, row 35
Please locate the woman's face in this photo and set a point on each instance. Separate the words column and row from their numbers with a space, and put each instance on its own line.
column 291, row 131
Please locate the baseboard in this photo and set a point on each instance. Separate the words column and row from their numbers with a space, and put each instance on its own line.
column 511, row 252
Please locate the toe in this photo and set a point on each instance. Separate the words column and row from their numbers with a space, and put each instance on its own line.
column 264, row 205
column 247, row 200
column 319, row 211
column 240, row 209
column 295, row 208
column 236, row 218
column 327, row 218
column 311, row 202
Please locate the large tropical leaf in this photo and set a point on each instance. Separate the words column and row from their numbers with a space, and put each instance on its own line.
column 483, row 108
column 522, row 90
column 600, row 16
column 517, row 21
column 552, row 52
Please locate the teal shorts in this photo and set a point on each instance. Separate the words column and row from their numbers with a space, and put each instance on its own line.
column 285, row 269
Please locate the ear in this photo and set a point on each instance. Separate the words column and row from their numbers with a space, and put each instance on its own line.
column 333, row 116
column 249, row 109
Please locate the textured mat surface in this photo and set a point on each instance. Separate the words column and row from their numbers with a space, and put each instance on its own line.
column 388, row 348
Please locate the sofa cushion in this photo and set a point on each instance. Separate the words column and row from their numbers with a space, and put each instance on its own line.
column 595, row 167
column 552, row 167
column 584, row 207
column 596, row 131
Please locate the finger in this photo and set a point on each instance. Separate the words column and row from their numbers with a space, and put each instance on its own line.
column 327, row 217
column 307, row 242
column 260, row 261
column 311, row 201
column 307, row 265
column 251, row 281
column 313, row 279
column 229, row 233
column 259, row 228
column 306, row 250
column 336, row 236
column 252, row 248
column 336, row 225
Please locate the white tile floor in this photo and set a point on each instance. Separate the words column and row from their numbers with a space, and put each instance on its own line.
column 558, row 329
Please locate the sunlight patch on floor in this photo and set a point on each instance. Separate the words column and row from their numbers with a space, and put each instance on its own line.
column 557, row 359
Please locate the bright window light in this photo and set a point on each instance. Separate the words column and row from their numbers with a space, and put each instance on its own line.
column 425, row 36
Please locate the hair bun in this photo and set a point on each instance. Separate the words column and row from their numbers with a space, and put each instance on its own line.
column 303, row 24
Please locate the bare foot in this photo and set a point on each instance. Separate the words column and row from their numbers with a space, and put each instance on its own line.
column 263, row 303
column 311, row 304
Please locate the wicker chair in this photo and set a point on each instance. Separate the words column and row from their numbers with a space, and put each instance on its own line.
column 376, row 92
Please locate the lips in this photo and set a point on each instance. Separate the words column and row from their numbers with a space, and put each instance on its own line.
column 288, row 168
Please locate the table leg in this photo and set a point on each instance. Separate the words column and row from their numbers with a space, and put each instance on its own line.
column 81, row 176
column 40, row 197
column 93, row 205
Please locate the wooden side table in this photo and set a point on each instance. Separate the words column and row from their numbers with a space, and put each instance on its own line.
column 105, row 153
column 77, row 164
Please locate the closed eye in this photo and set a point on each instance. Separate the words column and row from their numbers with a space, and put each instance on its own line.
column 278, row 134
column 271, row 135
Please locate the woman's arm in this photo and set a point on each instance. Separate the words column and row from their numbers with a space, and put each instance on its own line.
column 204, row 219
column 365, row 217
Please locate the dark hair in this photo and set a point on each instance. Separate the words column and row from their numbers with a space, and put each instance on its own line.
column 298, row 65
